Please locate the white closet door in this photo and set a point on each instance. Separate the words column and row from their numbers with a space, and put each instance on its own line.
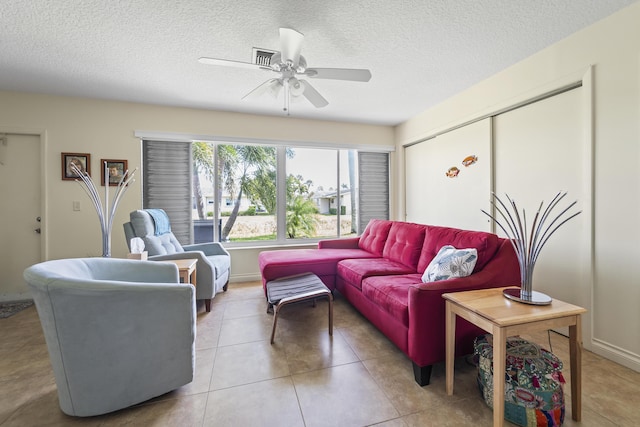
column 540, row 149
column 434, row 198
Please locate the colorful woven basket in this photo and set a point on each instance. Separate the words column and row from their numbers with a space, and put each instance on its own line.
column 533, row 393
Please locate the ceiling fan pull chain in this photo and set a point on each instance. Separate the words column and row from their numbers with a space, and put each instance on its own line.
column 286, row 95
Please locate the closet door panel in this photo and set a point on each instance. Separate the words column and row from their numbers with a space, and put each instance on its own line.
column 540, row 151
column 434, row 198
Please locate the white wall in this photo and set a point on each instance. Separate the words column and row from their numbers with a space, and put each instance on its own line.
column 612, row 46
column 105, row 129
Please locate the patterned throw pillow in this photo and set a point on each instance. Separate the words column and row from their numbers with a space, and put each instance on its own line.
column 449, row 263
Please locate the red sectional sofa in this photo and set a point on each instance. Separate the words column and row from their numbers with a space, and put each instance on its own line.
column 380, row 274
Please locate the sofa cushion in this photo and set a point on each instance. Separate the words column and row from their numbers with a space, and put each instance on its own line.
column 450, row 263
column 436, row 237
column 353, row 271
column 142, row 223
column 276, row 264
column 391, row 294
column 165, row 244
column 374, row 236
column 404, row 243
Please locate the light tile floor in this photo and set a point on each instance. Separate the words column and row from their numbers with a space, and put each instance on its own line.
column 356, row 378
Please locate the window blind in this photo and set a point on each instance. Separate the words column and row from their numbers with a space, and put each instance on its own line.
column 166, row 184
column 373, row 172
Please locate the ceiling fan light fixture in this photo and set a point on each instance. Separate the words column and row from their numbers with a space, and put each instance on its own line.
column 296, row 87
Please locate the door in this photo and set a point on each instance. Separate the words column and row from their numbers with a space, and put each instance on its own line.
column 540, row 150
column 20, row 246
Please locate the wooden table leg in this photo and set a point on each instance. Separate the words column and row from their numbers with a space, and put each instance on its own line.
column 499, row 368
column 330, row 296
column 450, row 334
column 575, row 355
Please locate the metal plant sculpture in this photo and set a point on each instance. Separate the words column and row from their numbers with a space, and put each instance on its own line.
column 105, row 215
column 528, row 246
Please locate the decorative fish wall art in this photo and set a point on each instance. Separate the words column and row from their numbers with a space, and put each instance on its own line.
column 453, row 172
column 469, row 160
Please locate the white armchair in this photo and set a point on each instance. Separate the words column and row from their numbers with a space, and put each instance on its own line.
column 214, row 262
column 118, row 331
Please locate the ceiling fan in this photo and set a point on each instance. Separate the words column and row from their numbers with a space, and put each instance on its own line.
column 291, row 65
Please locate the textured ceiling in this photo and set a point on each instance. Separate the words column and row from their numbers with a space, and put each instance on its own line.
column 420, row 52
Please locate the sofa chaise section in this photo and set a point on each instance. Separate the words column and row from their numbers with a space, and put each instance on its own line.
column 289, row 262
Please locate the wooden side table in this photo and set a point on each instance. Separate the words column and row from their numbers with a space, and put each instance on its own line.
column 491, row 311
column 186, row 269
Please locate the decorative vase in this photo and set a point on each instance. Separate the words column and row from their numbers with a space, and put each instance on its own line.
column 105, row 215
column 528, row 245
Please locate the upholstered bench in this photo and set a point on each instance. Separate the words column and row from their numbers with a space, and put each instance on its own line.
column 533, row 391
column 302, row 287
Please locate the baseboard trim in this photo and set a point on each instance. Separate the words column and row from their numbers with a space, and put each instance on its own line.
column 616, row 354
column 23, row 296
column 252, row 277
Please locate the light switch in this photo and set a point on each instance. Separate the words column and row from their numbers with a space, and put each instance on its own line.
column 76, row 205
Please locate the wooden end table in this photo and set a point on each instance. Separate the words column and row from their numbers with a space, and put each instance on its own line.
column 186, row 269
column 502, row 317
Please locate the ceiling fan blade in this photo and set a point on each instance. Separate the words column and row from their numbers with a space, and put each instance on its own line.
column 313, row 95
column 290, row 45
column 351, row 74
column 229, row 63
column 272, row 85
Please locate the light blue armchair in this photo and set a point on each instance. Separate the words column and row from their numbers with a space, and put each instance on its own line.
column 118, row 331
column 214, row 262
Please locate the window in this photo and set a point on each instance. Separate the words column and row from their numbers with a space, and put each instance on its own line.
column 319, row 193
column 269, row 193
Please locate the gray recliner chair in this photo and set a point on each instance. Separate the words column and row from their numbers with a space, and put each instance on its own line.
column 214, row 262
column 119, row 332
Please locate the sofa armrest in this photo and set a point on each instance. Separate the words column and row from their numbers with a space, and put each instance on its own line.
column 209, row 249
column 427, row 307
column 348, row 243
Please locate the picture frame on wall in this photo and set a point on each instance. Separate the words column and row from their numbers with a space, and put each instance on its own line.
column 81, row 160
column 115, row 170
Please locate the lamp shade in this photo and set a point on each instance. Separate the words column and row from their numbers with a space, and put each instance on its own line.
column 296, row 86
